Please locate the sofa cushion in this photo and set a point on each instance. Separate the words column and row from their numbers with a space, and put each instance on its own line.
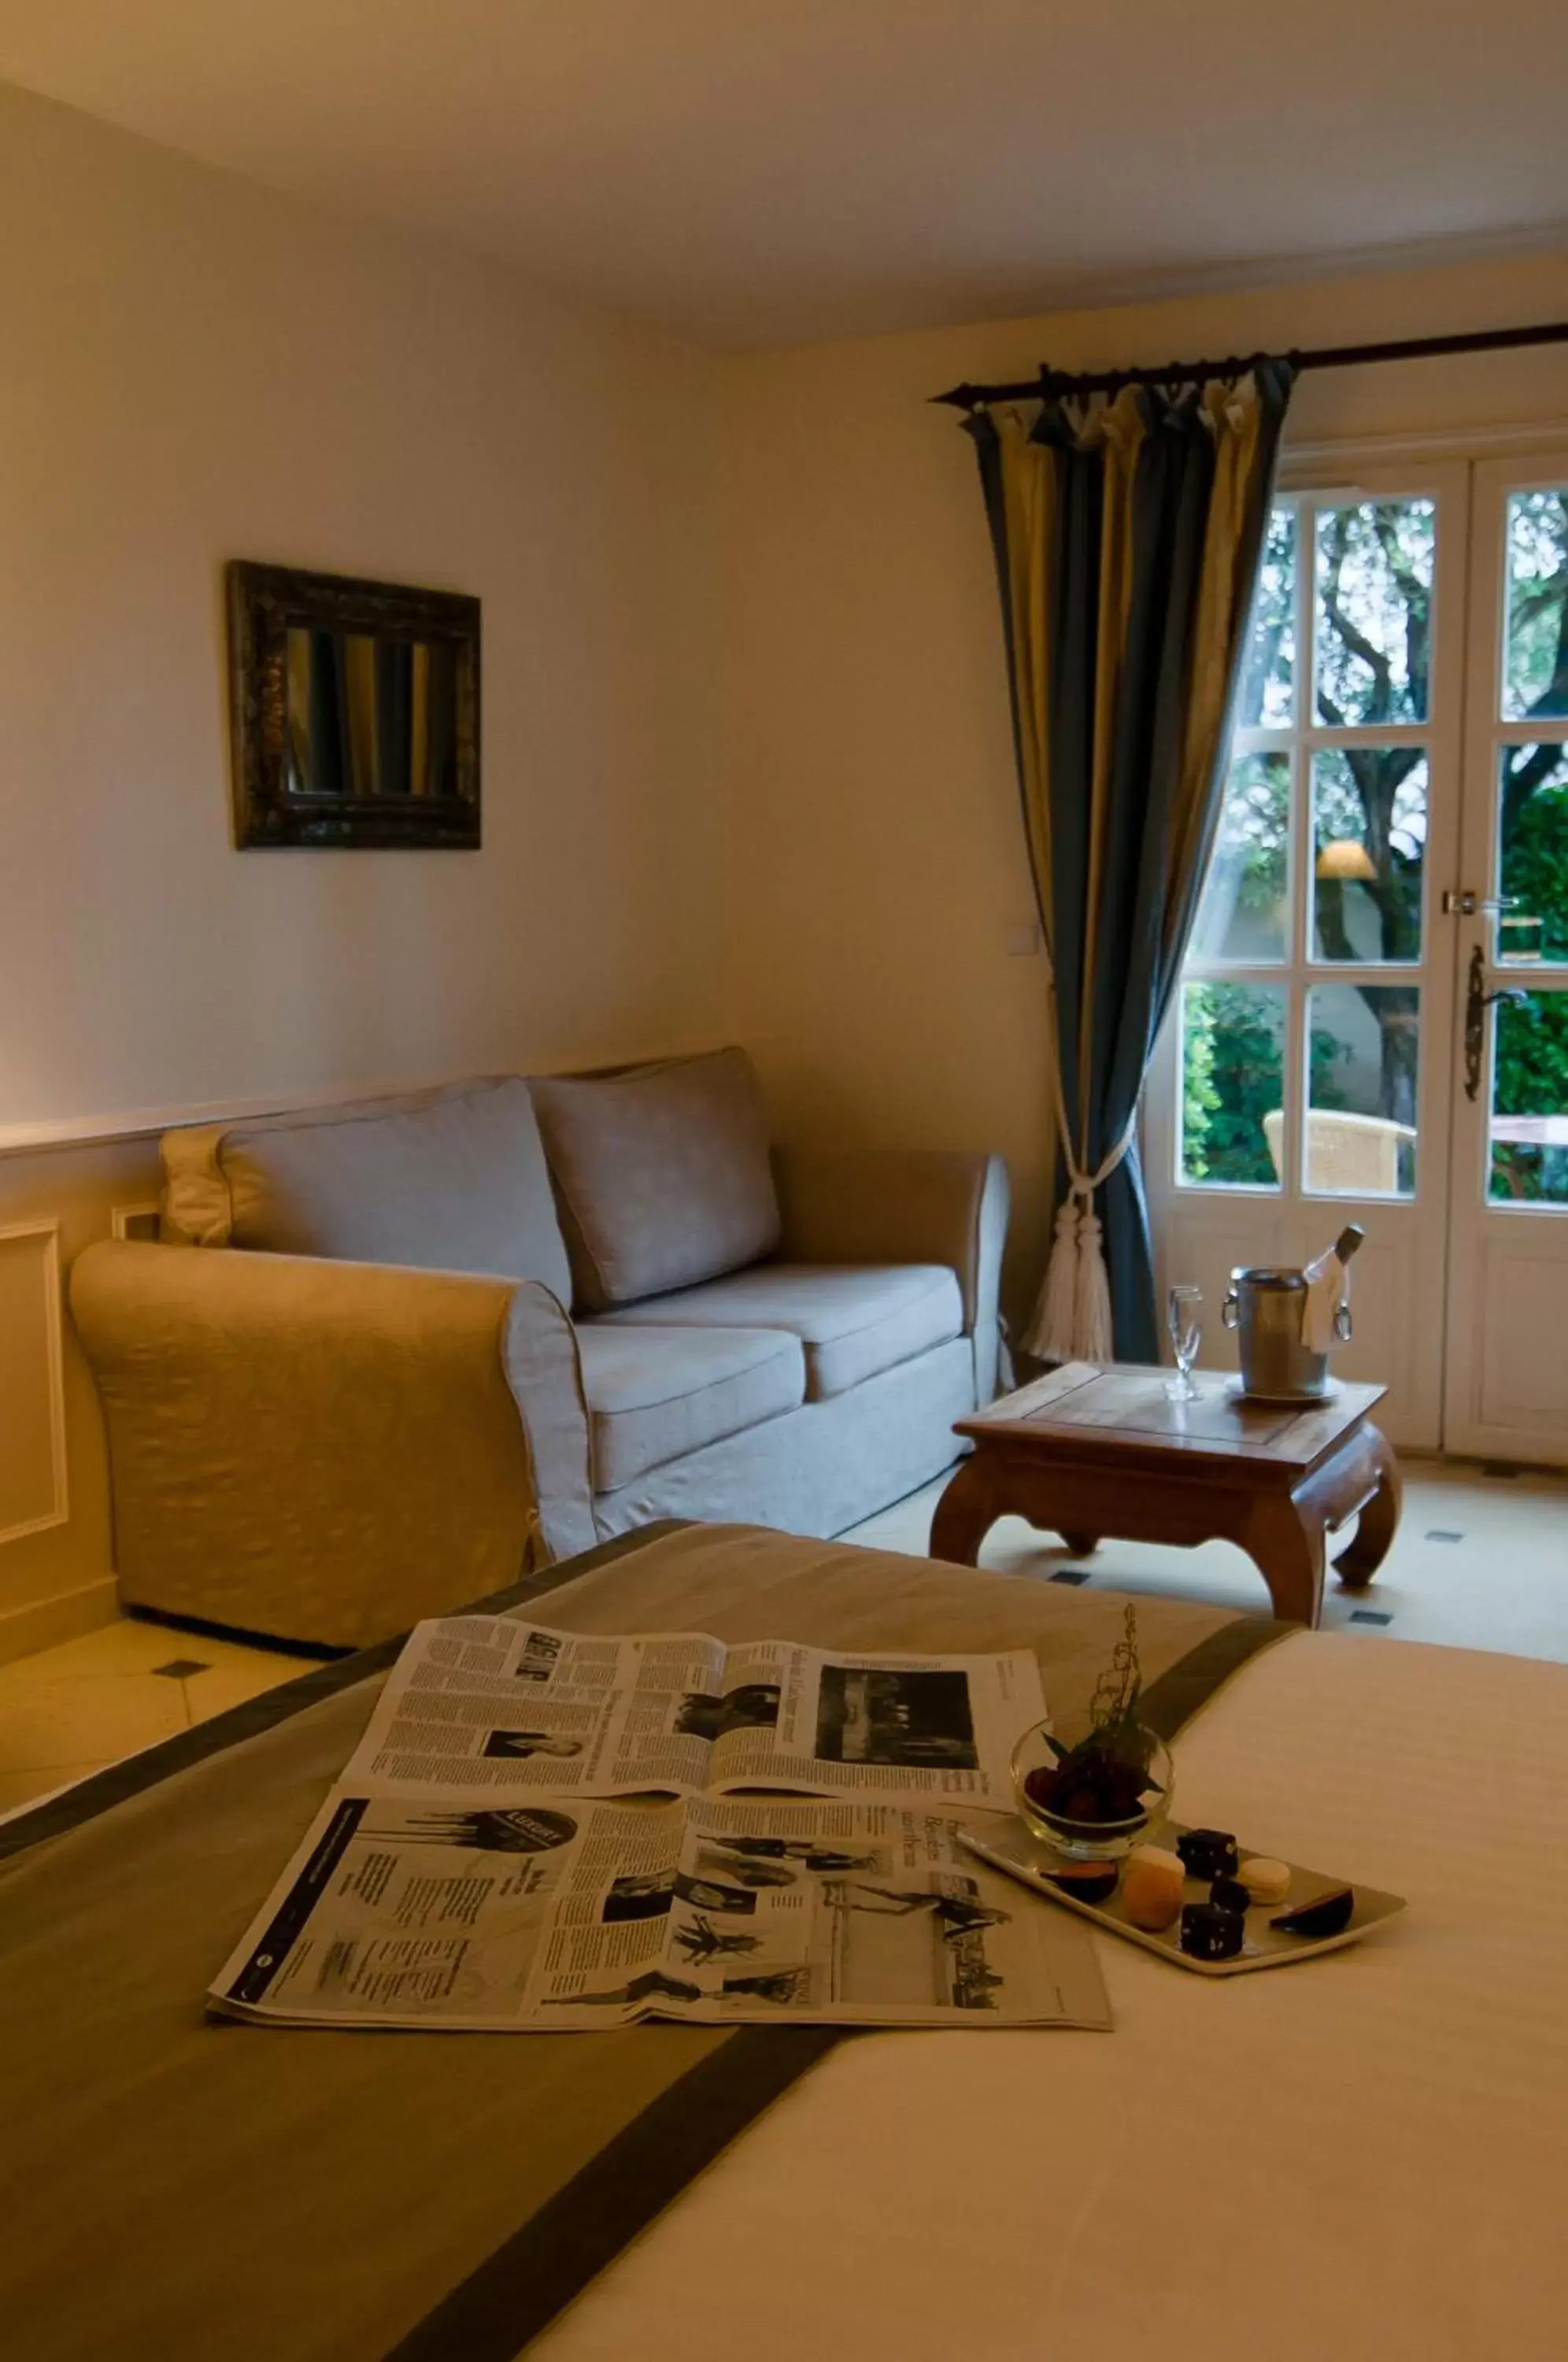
column 450, row 1180
column 663, row 1174
column 657, row 1394
column 853, row 1319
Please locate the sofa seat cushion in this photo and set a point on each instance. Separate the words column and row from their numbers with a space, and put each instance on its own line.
column 657, row 1394
column 854, row 1319
column 662, row 1175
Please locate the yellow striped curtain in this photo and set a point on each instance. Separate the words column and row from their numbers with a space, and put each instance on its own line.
column 1127, row 535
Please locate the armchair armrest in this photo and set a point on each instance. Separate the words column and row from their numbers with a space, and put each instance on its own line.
column 329, row 1451
column 904, row 1205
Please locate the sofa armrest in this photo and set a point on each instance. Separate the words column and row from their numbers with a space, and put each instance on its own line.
column 329, row 1451
column 904, row 1205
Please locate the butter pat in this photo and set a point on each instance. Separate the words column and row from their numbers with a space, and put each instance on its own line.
column 1151, row 1889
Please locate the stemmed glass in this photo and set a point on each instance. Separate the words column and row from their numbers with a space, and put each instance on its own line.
column 1184, row 1323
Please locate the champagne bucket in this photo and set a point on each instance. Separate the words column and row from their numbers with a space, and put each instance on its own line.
column 1265, row 1308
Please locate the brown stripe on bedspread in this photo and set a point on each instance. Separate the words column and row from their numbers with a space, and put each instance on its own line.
column 503, row 2307
column 331, row 2193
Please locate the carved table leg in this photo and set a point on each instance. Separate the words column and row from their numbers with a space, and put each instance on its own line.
column 964, row 1515
column 1080, row 1544
column 1377, row 1523
column 1284, row 1540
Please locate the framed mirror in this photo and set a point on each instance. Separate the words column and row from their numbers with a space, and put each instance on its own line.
column 356, row 711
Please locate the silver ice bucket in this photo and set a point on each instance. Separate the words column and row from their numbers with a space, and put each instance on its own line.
column 1266, row 1307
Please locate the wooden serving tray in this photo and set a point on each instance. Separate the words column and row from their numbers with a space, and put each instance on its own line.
column 1009, row 1844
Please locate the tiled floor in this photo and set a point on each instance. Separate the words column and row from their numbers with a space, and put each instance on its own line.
column 68, row 1711
column 1480, row 1563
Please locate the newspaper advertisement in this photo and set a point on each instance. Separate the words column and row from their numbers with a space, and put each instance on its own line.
column 514, row 1708
column 464, row 1911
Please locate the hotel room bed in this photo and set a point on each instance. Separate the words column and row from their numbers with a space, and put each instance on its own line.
column 1363, row 2156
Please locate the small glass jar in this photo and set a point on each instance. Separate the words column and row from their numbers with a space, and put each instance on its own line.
column 1040, row 1750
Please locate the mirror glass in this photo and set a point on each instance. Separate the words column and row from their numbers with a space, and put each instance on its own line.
column 370, row 717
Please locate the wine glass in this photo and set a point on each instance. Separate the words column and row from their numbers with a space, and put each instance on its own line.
column 1184, row 1323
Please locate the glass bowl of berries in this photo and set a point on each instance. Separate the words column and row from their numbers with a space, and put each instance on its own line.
column 1101, row 1784
column 1087, row 1802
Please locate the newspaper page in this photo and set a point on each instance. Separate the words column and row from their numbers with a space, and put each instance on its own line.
column 563, row 1914
column 936, row 1731
column 517, row 1708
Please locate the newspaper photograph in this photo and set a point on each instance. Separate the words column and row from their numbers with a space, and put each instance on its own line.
column 563, row 1914
column 515, row 1709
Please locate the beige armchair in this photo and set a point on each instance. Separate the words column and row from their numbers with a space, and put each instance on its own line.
column 1347, row 1155
column 329, row 1451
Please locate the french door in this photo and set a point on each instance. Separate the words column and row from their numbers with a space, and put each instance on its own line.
column 1373, row 1024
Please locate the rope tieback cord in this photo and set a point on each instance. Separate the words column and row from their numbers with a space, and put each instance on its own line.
column 1074, row 1316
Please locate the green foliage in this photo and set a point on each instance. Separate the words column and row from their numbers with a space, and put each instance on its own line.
column 1234, row 1075
column 1531, row 1079
column 1532, row 1064
column 1535, row 849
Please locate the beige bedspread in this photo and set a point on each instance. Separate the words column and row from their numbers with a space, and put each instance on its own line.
column 1364, row 2157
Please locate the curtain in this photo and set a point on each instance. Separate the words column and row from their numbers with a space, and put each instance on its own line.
column 1127, row 536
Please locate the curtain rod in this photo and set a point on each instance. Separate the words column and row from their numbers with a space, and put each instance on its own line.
column 1049, row 381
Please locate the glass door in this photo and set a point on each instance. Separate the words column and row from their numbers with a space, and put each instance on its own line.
column 1506, row 1390
column 1304, row 1082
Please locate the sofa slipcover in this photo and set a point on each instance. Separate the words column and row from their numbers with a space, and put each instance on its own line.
column 663, row 1174
column 325, row 1449
column 658, row 1394
column 852, row 1321
column 443, row 1180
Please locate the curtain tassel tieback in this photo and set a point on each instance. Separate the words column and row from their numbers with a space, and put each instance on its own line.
column 1072, row 1320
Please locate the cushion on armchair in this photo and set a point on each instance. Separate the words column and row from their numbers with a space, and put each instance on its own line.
column 451, row 1179
column 662, row 1175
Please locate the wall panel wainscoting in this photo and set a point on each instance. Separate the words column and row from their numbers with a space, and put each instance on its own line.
column 56, row 1548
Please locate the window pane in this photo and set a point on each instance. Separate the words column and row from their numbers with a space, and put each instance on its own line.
column 1536, row 672
column 1369, row 834
column 1268, row 673
column 1360, row 1116
column 1245, row 910
column 1374, row 610
column 1529, row 1102
column 1532, row 850
column 1232, row 1041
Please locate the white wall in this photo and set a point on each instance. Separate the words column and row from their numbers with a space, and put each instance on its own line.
column 875, row 858
column 192, row 369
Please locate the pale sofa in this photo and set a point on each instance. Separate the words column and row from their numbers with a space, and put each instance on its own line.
column 348, row 1391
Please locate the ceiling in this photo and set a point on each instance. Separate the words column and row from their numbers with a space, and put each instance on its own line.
column 759, row 172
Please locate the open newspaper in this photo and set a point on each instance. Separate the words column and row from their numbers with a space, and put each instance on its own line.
column 517, row 1708
column 492, row 1856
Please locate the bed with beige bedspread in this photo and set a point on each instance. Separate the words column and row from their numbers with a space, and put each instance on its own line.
column 1363, row 2157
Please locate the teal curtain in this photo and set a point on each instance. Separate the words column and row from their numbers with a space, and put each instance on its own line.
column 1127, row 536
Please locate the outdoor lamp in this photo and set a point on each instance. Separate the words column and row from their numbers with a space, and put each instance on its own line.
column 1342, row 856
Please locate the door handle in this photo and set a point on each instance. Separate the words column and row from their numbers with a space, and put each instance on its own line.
column 1459, row 902
column 1477, row 1000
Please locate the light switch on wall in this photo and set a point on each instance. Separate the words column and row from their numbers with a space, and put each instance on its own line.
column 1023, row 942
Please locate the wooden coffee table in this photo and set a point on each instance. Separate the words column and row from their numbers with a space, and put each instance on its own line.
column 1089, row 1450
